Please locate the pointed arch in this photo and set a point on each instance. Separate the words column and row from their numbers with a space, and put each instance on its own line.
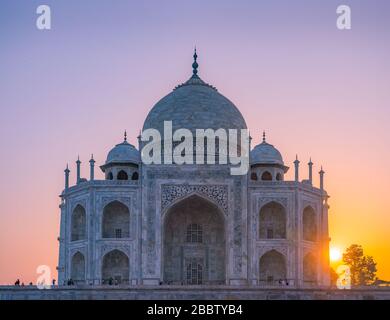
column 309, row 227
column 116, row 220
column 77, row 269
column 115, row 268
column 194, row 242
column 201, row 197
column 272, row 268
column 272, row 221
column 254, row 176
column 135, row 176
column 122, row 175
column 78, row 223
column 266, row 176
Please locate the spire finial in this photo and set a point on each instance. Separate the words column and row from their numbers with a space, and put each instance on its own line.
column 195, row 64
column 125, row 136
column 264, row 136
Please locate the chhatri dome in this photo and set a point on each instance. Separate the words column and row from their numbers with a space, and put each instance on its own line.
column 195, row 105
column 122, row 162
column 265, row 153
column 123, row 153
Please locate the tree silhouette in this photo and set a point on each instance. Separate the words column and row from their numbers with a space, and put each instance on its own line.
column 363, row 268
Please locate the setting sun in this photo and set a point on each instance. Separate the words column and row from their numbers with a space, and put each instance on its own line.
column 335, row 254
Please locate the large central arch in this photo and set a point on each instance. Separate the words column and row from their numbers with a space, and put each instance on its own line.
column 194, row 243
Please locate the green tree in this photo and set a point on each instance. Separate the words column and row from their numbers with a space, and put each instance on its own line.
column 363, row 268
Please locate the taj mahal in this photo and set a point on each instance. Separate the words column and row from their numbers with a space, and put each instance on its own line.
column 194, row 225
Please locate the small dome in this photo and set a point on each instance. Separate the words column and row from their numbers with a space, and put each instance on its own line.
column 265, row 153
column 123, row 153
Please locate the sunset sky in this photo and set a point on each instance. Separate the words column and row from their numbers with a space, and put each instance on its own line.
column 317, row 91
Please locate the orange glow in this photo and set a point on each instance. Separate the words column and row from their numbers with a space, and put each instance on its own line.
column 335, row 254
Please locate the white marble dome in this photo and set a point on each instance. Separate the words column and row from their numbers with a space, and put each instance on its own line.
column 123, row 153
column 265, row 153
column 195, row 105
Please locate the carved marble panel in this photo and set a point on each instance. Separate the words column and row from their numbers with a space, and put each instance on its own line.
column 216, row 193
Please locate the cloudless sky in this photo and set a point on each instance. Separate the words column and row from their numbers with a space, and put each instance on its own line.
column 318, row 92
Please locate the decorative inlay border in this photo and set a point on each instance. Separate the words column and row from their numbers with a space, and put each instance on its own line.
column 282, row 200
column 73, row 250
column 108, row 199
column 281, row 249
column 307, row 203
column 82, row 202
column 217, row 193
column 105, row 248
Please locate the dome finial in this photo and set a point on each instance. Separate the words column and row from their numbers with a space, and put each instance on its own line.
column 195, row 64
column 125, row 136
column 264, row 136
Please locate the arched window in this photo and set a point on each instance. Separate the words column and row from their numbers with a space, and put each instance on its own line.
column 116, row 220
column 115, row 268
column 279, row 177
column 78, row 268
column 194, row 272
column 309, row 224
column 194, row 233
column 266, row 176
column 309, row 269
column 122, row 175
column 134, row 176
column 272, row 221
column 272, row 268
column 78, row 223
column 110, row 176
column 254, row 176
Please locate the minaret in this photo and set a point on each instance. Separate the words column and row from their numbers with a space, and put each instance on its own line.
column 66, row 177
column 322, row 172
column 310, row 164
column 78, row 163
column 92, row 168
column 296, row 163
